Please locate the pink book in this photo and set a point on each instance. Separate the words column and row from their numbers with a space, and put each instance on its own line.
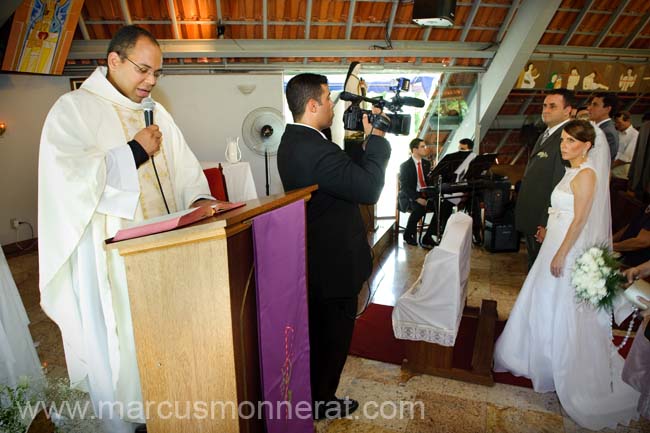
column 172, row 221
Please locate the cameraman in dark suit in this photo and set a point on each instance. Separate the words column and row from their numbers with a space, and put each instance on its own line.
column 339, row 258
column 544, row 170
column 412, row 178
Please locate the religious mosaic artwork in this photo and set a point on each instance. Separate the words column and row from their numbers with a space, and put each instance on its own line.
column 584, row 76
column 41, row 35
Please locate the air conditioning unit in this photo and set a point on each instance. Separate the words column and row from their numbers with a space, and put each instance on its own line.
column 435, row 13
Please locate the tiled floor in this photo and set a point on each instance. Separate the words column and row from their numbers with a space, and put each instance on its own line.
column 427, row 403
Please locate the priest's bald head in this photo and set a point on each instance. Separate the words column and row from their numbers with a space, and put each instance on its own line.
column 134, row 61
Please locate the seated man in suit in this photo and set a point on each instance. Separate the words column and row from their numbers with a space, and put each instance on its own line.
column 412, row 178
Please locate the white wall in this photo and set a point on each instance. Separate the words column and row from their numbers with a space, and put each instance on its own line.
column 24, row 103
column 207, row 108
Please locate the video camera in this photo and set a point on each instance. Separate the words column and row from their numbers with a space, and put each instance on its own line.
column 398, row 124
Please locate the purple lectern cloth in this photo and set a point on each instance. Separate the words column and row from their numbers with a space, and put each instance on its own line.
column 281, row 279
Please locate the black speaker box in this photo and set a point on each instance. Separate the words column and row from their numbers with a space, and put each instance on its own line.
column 501, row 237
column 442, row 11
column 496, row 200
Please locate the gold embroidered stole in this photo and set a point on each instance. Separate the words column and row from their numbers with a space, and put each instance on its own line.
column 151, row 200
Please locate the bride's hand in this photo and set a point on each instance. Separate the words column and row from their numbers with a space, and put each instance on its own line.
column 557, row 265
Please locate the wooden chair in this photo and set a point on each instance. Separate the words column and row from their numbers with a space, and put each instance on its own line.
column 400, row 229
column 217, row 182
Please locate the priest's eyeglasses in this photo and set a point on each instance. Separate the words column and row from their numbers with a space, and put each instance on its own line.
column 146, row 70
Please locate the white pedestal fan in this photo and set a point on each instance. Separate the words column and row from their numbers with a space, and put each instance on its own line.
column 262, row 130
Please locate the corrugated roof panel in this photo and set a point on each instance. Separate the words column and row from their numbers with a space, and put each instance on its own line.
column 444, row 34
column 551, row 39
column 287, row 31
column 404, row 13
column 102, row 10
column 489, row 17
column 613, row 42
column 497, row 2
column 573, row 4
column 283, row 10
column 372, row 12
column 330, row 11
column 148, row 10
column 481, row 36
column 249, row 31
column 328, row 32
column 583, row 40
column 562, row 20
column 462, row 13
column 198, row 31
column 241, row 10
column 593, row 22
column 407, row 33
column 195, row 10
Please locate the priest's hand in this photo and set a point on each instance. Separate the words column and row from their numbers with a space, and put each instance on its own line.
column 206, row 202
column 150, row 139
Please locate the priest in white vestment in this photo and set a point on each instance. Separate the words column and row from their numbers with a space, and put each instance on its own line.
column 95, row 176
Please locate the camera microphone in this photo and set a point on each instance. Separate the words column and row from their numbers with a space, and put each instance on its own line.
column 352, row 97
column 408, row 101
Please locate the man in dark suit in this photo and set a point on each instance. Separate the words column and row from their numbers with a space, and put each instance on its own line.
column 339, row 258
column 544, row 170
column 602, row 108
column 412, row 178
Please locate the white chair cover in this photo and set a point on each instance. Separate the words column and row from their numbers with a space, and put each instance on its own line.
column 18, row 357
column 432, row 308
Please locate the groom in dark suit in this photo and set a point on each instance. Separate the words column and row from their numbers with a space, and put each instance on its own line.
column 339, row 259
column 544, row 170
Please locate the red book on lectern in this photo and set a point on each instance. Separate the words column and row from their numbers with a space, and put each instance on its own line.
column 172, row 221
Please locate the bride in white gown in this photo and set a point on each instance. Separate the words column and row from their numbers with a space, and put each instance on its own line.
column 549, row 338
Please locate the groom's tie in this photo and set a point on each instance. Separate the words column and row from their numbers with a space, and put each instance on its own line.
column 541, row 140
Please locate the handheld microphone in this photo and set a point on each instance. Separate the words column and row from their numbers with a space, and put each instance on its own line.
column 148, row 106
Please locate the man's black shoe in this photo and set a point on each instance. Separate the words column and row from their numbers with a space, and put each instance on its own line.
column 410, row 240
column 427, row 242
column 333, row 409
column 142, row 428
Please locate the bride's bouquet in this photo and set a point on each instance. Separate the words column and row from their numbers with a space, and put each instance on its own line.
column 597, row 281
column 596, row 277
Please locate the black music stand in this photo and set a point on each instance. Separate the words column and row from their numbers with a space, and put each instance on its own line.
column 447, row 166
column 480, row 165
column 443, row 172
column 475, row 171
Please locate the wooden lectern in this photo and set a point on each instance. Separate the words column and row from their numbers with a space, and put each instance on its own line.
column 193, row 304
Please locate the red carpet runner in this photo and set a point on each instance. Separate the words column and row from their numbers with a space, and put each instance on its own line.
column 373, row 339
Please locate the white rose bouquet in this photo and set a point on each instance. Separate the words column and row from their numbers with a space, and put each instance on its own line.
column 596, row 278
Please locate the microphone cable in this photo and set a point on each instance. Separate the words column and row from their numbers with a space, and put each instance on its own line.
column 149, row 105
column 159, row 184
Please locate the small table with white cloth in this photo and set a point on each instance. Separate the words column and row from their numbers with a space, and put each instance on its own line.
column 428, row 315
column 239, row 179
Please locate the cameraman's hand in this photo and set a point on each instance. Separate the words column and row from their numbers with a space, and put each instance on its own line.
column 150, row 139
column 367, row 126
